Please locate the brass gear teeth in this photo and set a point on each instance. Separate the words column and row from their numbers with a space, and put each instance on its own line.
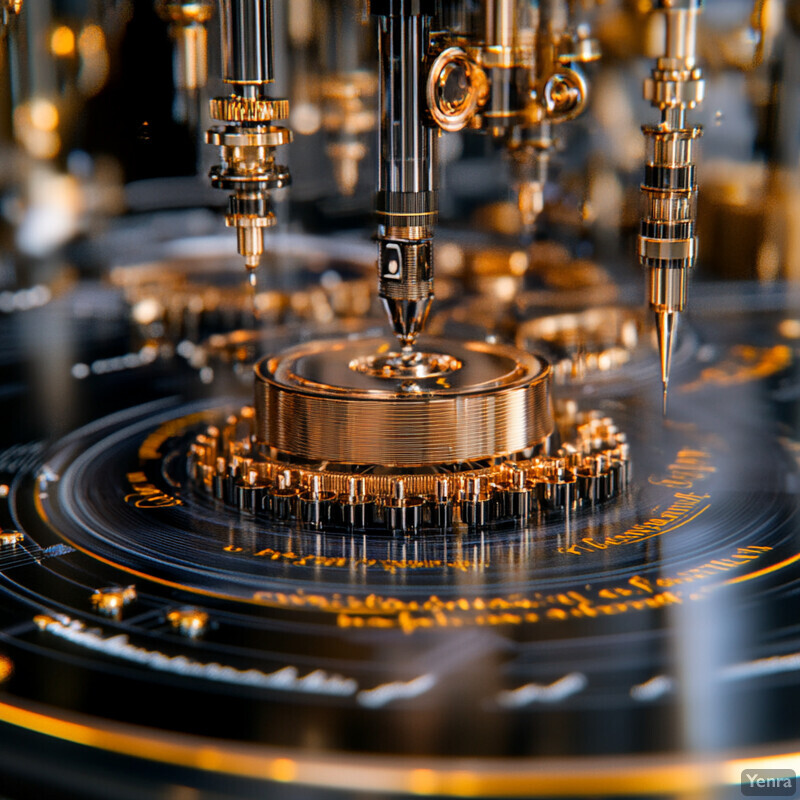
column 244, row 109
column 227, row 462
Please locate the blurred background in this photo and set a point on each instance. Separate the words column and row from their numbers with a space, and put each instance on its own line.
column 104, row 164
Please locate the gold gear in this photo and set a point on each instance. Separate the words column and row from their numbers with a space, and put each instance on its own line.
column 245, row 109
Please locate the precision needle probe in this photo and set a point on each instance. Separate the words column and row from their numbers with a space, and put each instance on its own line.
column 667, row 238
column 666, row 328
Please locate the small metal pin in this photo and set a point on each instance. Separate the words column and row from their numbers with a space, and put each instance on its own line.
column 356, row 489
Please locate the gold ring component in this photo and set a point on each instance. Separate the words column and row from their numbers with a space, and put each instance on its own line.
column 264, row 136
column 592, row 466
column 347, row 434
column 248, row 109
column 456, row 86
column 322, row 402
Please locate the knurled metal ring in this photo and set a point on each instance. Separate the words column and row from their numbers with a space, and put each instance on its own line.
column 271, row 136
column 246, row 109
column 314, row 405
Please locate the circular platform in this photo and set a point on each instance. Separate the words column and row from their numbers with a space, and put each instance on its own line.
column 358, row 402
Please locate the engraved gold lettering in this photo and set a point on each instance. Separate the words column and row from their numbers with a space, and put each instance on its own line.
column 145, row 495
column 689, row 467
column 638, row 593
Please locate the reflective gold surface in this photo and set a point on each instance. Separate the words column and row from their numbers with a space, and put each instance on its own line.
column 661, row 776
column 311, row 405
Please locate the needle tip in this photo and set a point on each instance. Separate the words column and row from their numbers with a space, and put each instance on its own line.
column 666, row 326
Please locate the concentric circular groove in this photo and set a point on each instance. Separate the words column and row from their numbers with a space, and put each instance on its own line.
column 312, row 406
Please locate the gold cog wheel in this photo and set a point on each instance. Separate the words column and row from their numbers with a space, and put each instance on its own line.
column 245, row 109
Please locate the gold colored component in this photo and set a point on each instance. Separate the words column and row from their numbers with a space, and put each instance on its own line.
column 346, row 110
column 565, row 94
column 250, row 235
column 112, row 599
column 667, row 241
column 311, row 405
column 187, row 20
column 11, row 538
column 191, row 622
column 586, row 343
column 349, row 85
column 248, row 109
column 348, row 116
column 185, row 12
column 456, row 87
column 11, row 6
column 669, row 88
column 346, row 157
column 271, row 136
column 6, row 668
column 410, row 364
column 578, row 47
column 593, row 465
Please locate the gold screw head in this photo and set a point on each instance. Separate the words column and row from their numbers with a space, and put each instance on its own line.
column 191, row 622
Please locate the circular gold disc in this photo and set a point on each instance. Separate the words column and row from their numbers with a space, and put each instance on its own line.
column 315, row 404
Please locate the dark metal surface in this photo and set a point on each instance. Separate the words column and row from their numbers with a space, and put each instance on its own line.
column 661, row 625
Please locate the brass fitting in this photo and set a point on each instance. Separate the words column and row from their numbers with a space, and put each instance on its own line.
column 187, row 20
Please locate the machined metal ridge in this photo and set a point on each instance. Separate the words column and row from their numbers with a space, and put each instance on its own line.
column 402, row 423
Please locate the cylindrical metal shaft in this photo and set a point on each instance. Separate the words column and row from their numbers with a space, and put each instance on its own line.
column 500, row 23
column 406, row 145
column 406, row 202
column 681, row 34
column 246, row 27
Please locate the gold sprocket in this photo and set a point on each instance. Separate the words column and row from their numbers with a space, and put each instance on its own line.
column 246, row 109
